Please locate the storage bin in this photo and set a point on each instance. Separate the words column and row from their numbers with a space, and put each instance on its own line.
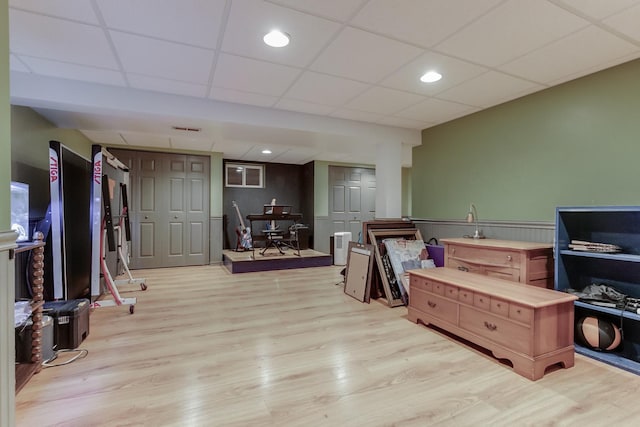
column 71, row 322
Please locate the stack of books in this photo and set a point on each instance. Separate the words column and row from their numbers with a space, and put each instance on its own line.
column 581, row 245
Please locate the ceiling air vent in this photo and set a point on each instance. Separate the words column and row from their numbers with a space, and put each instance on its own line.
column 186, row 129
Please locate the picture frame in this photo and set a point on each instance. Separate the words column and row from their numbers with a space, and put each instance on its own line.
column 392, row 289
column 357, row 280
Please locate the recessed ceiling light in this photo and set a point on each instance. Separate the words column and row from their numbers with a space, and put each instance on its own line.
column 266, row 151
column 430, row 77
column 276, row 38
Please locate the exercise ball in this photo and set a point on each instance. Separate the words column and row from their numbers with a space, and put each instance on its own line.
column 598, row 334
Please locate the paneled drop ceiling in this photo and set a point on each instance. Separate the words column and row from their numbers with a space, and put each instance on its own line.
column 125, row 72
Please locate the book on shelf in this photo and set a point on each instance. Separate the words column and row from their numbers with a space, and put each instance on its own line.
column 585, row 246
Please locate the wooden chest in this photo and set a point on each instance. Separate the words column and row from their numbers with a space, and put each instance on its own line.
column 530, row 326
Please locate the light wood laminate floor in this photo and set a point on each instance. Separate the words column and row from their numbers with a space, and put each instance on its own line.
column 289, row 348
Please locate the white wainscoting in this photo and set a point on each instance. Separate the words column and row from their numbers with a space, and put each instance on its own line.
column 7, row 330
column 542, row 232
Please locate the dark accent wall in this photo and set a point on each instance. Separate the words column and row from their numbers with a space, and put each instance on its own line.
column 288, row 184
column 307, row 196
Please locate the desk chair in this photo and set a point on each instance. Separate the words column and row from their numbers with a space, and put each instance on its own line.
column 274, row 238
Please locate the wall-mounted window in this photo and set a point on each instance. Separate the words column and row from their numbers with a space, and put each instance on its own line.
column 244, row 175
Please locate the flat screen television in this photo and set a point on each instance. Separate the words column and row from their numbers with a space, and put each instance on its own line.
column 71, row 236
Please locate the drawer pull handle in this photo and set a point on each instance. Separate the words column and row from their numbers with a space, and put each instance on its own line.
column 498, row 305
column 508, row 257
column 490, row 326
column 518, row 311
column 461, row 268
column 431, row 304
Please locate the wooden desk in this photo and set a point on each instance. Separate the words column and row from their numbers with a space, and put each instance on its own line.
column 24, row 371
column 530, row 326
column 524, row 262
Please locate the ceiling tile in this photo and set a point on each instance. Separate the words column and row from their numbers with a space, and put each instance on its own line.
column 587, row 50
column 167, row 86
column 454, row 71
column 265, row 134
column 16, row 64
column 339, row 10
column 421, row 22
column 511, row 30
column 146, row 139
column 303, row 106
column 234, row 72
column 376, row 58
column 64, row 41
column 256, row 152
column 241, row 97
column 75, row 10
column 297, row 155
column 192, row 22
column 435, row 111
column 627, row 22
column 250, row 20
column 360, row 116
column 489, row 89
column 103, row 137
column 73, row 71
column 383, row 101
column 186, row 143
column 232, row 149
column 405, row 123
column 325, row 90
column 157, row 58
column 598, row 9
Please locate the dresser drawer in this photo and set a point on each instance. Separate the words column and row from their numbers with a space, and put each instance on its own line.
column 507, row 258
column 506, row 273
column 497, row 329
column 418, row 282
column 434, row 306
column 465, row 266
column 438, row 288
column 465, row 296
column 451, row 291
column 500, row 307
column 482, row 301
column 521, row 313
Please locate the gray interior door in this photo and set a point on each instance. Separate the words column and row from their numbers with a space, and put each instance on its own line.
column 169, row 208
column 351, row 199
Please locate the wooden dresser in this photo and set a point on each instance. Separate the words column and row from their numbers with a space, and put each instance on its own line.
column 529, row 326
column 524, row 262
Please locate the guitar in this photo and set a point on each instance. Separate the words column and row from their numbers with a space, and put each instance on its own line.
column 243, row 233
column 273, row 225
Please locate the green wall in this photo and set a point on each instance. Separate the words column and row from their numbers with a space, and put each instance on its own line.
column 573, row 144
column 5, row 120
column 30, row 136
